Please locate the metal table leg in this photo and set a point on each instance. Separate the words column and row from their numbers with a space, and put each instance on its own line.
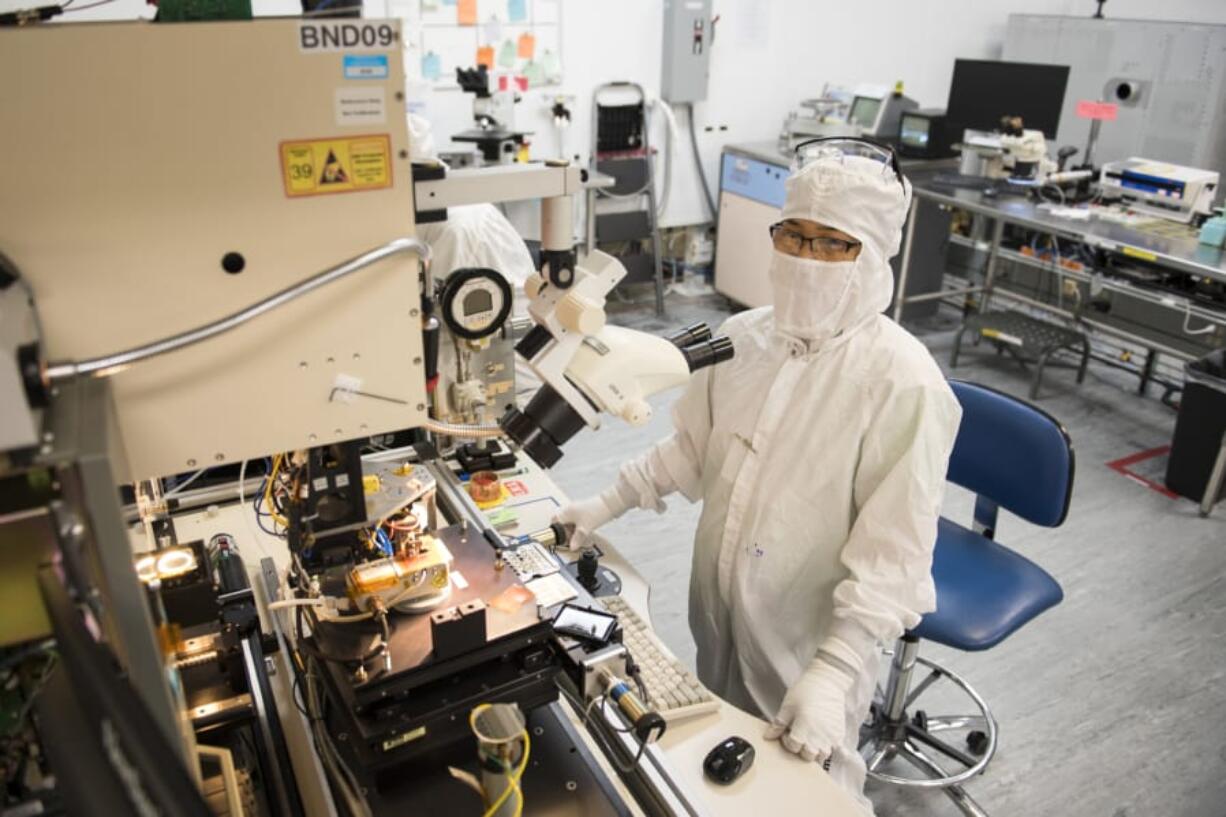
column 1214, row 486
column 655, row 251
column 998, row 231
column 904, row 267
column 1147, row 371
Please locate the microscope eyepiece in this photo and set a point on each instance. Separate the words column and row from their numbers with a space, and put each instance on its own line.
column 689, row 335
column 701, row 355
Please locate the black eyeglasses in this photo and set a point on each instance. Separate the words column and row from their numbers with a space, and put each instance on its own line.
column 823, row 246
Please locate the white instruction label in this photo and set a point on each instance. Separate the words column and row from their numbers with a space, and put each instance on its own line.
column 360, row 106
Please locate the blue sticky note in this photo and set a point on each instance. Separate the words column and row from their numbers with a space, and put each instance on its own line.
column 517, row 10
column 449, row 2
column 366, row 66
column 431, row 66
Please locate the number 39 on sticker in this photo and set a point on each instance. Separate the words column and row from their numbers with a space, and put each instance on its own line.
column 313, row 167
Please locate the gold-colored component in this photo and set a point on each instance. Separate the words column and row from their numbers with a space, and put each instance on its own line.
column 486, row 490
column 371, row 484
column 401, row 578
column 484, row 486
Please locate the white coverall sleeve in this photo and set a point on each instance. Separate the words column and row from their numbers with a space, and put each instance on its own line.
column 674, row 463
column 899, row 485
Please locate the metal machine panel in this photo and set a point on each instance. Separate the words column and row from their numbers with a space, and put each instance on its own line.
column 1174, row 73
column 751, row 195
column 687, row 50
column 758, row 181
column 147, row 153
column 743, row 249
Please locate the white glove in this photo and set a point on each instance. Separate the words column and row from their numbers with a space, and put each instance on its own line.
column 582, row 518
column 812, row 721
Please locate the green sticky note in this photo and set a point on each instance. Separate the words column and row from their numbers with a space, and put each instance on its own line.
column 506, row 54
column 534, row 74
column 502, row 517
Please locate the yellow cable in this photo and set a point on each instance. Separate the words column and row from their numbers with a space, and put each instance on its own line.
column 267, row 500
column 512, row 777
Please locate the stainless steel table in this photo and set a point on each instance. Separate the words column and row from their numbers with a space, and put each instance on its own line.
column 1180, row 254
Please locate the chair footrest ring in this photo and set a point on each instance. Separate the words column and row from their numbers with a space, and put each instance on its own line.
column 912, row 735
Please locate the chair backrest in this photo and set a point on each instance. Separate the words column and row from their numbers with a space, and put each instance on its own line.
column 1012, row 454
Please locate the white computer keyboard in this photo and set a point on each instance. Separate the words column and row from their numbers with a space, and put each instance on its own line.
column 674, row 691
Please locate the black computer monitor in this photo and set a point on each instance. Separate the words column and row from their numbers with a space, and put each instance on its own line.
column 984, row 91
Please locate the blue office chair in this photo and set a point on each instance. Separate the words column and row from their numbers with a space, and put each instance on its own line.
column 1013, row 456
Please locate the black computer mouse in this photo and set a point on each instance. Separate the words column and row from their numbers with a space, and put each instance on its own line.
column 729, row 760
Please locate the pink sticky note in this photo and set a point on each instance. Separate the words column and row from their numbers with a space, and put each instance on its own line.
column 522, row 82
column 1089, row 109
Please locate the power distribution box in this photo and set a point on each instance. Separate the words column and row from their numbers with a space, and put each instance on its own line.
column 687, row 50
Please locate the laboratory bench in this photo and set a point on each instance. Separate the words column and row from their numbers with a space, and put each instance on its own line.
column 1154, row 318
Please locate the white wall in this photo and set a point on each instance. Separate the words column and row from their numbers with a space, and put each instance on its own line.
column 768, row 54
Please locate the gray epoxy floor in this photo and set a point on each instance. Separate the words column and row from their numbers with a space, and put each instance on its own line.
column 1114, row 702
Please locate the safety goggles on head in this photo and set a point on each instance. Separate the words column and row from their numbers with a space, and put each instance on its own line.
column 840, row 147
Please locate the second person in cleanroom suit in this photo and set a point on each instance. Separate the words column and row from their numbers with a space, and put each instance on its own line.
column 819, row 453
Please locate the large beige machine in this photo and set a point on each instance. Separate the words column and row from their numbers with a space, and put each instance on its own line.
column 212, row 225
column 241, row 159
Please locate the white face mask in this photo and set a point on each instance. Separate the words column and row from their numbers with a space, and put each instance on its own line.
column 809, row 294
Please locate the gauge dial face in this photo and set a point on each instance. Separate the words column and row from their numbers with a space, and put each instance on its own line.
column 475, row 302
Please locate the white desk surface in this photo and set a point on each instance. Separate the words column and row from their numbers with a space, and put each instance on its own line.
column 778, row 782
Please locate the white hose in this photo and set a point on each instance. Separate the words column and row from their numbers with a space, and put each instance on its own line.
column 178, row 489
column 1187, row 322
column 475, row 432
column 671, row 135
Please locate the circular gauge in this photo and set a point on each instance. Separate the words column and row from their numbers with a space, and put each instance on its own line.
column 475, row 302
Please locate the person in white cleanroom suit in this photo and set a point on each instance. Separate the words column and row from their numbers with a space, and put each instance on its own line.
column 819, row 453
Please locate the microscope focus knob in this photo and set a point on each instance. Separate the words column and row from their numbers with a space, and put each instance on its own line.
column 580, row 314
column 532, row 285
column 636, row 412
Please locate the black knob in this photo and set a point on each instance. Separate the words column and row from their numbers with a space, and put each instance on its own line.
column 588, row 562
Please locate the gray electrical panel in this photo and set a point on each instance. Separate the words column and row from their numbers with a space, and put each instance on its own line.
column 687, row 47
column 1169, row 80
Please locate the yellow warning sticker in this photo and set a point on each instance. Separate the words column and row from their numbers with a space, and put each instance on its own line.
column 313, row 167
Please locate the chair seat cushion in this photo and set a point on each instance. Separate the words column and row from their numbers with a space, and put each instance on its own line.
column 985, row 591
